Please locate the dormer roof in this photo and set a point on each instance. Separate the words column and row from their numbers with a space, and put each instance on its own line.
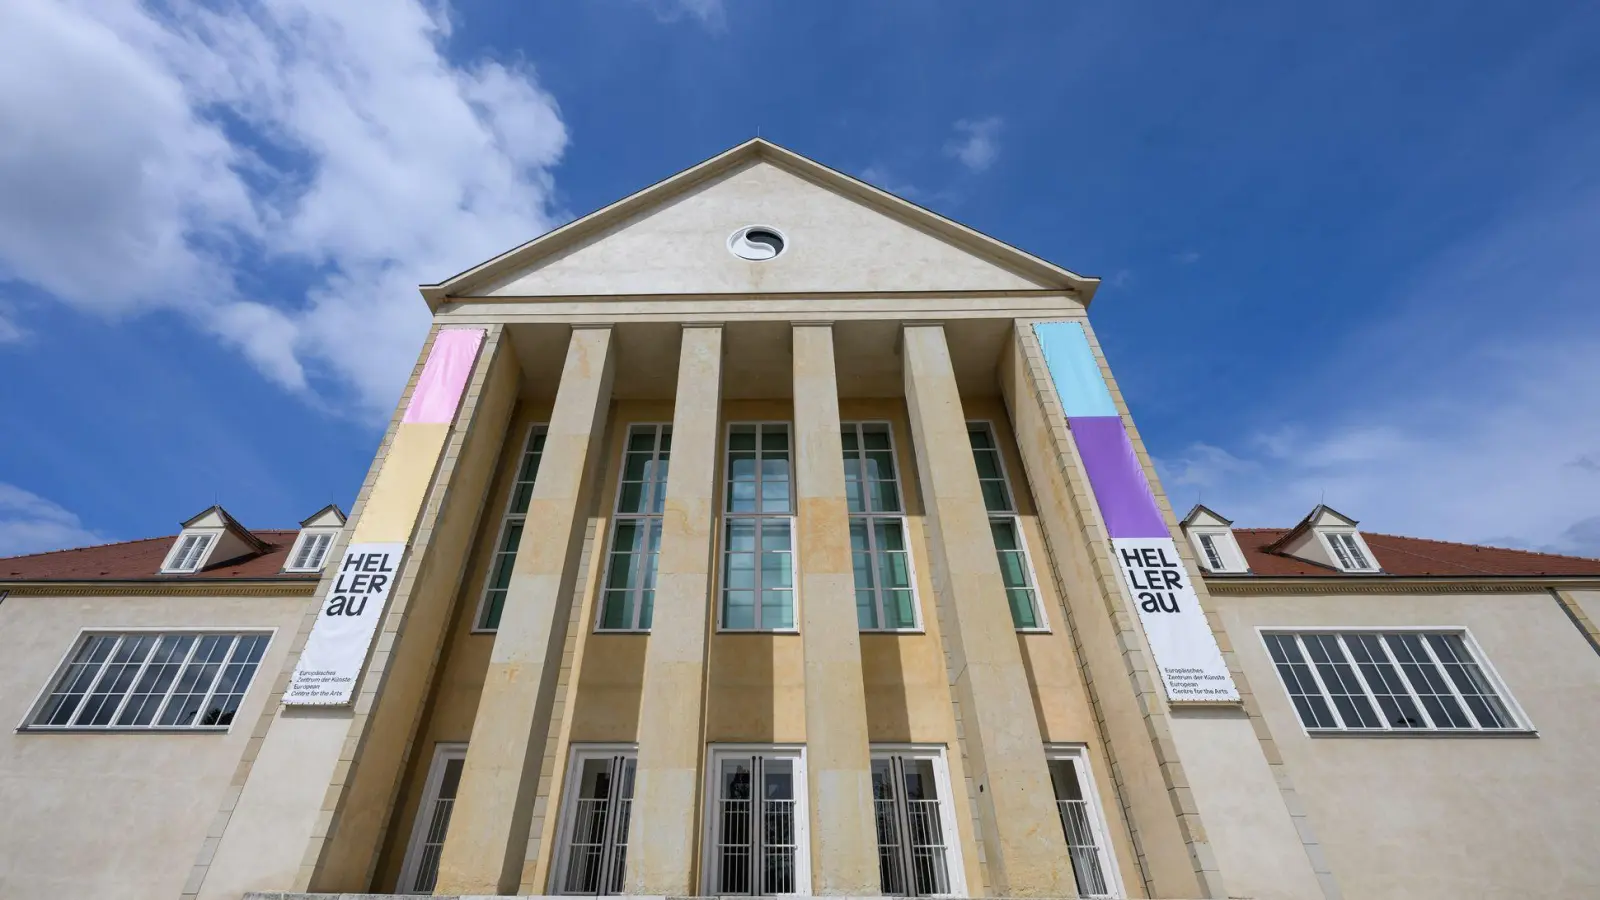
column 1318, row 516
column 1204, row 516
column 330, row 516
column 217, row 517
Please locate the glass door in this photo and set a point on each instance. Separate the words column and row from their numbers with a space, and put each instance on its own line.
column 755, row 842
column 913, row 850
column 595, row 856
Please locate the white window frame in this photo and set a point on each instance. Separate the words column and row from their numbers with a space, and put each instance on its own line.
column 617, row 516
column 84, row 634
column 1521, row 724
column 307, row 535
column 715, row 754
column 1078, row 754
column 954, row 861
column 506, row 517
column 578, row 753
column 725, row 516
column 1223, row 542
column 871, row 517
column 1338, row 554
column 443, row 752
column 212, row 537
column 1016, row 523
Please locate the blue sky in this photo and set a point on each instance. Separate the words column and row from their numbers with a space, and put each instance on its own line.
column 1349, row 252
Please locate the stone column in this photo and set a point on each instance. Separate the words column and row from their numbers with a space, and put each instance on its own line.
column 488, row 837
column 838, row 762
column 664, row 822
column 1021, row 834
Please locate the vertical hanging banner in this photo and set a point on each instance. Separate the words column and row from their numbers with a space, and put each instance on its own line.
column 331, row 662
column 1185, row 650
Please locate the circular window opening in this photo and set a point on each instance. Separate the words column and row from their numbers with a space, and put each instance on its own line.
column 756, row 242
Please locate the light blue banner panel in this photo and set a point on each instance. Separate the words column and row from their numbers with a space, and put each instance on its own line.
column 1073, row 368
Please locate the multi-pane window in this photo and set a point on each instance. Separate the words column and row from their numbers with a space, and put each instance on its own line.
column 630, row 583
column 1347, row 550
column 149, row 680
column 1388, row 681
column 1210, row 546
column 1092, row 866
column 594, row 836
column 885, row 599
column 191, row 550
column 910, row 797
column 757, row 842
column 312, row 550
column 505, row 548
column 758, row 536
column 1016, row 571
column 420, row 871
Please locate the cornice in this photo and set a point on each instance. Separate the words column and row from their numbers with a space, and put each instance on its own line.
column 230, row 588
column 1361, row 584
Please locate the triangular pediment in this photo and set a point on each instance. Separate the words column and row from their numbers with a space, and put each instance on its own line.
column 330, row 516
column 841, row 236
column 1205, row 517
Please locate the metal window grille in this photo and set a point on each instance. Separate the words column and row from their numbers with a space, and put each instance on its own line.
column 148, row 680
column 913, row 850
column 1348, row 551
column 596, row 851
column 758, row 536
column 313, row 551
column 1388, row 681
column 1208, row 545
column 630, row 583
column 756, row 846
column 1016, row 570
column 421, row 869
column 1086, row 847
column 881, row 558
column 505, row 549
column 191, row 549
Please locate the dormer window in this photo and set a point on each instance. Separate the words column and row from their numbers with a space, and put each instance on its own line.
column 190, row 552
column 1214, row 545
column 1348, row 551
column 1211, row 552
column 310, row 551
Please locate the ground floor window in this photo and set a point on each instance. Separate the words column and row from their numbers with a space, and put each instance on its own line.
column 1092, row 865
column 915, row 823
column 757, row 838
column 421, row 868
column 594, row 832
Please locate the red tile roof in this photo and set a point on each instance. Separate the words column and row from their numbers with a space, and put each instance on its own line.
column 141, row 561
column 1412, row 557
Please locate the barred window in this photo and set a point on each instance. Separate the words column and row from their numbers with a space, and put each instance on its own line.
column 758, row 535
column 1407, row 681
column 505, row 546
column 911, row 802
column 594, row 832
column 420, row 871
column 885, row 597
column 630, row 582
column 149, row 680
column 1016, row 570
column 757, row 821
column 1092, row 865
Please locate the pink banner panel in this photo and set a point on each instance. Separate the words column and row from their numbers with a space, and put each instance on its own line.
column 444, row 376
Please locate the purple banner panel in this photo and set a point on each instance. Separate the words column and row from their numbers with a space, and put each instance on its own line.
column 1120, row 487
column 444, row 376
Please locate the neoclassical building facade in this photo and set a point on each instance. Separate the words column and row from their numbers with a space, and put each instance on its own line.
column 763, row 533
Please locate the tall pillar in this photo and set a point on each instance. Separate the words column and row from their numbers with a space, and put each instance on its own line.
column 663, row 826
column 488, row 837
column 1023, row 844
column 838, row 760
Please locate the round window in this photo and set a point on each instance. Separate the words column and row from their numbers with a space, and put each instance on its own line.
column 756, row 242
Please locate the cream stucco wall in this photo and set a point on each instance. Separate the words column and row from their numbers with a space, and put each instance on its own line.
column 1427, row 816
column 115, row 815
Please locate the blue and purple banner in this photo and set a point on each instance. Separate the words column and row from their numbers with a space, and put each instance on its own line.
column 1185, row 650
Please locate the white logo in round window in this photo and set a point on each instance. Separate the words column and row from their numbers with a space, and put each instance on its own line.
column 756, row 242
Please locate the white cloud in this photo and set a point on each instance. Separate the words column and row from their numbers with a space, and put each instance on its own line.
column 711, row 14
column 31, row 524
column 977, row 142
column 153, row 157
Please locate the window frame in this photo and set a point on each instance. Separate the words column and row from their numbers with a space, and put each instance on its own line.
column 306, row 534
column 1223, row 542
column 955, row 861
column 478, row 614
column 577, row 753
column 711, row 826
column 1327, row 535
column 27, row 726
column 1521, row 725
column 1078, row 754
column 724, row 516
column 617, row 516
column 1015, row 518
column 917, row 626
column 443, row 752
column 213, row 537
